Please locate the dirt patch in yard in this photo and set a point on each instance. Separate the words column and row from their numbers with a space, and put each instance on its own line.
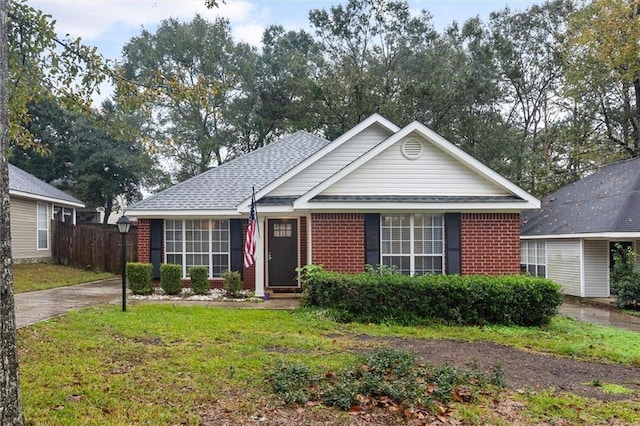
column 524, row 371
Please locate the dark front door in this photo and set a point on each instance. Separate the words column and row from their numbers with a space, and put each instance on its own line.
column 283, row 252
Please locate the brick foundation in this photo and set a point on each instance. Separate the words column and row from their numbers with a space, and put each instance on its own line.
column 337, row 241
column 490, row 243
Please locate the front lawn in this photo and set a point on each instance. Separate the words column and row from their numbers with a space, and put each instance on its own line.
column 41, row 276
column 168, row 364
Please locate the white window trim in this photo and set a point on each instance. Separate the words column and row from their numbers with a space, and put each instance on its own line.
column 525, row 246
column 209, row 254
column 412, row 254
column 38, row 229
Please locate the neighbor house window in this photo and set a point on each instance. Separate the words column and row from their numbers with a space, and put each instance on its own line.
column 533, row 258
column 43, row 226
column 413, row 244
column 198, row 243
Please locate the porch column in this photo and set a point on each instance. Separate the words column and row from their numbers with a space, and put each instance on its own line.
column 260, row 258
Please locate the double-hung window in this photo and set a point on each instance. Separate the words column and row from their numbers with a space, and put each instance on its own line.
column 43, row 226
column 413, row 244
column 533, row 258
column 200, row 242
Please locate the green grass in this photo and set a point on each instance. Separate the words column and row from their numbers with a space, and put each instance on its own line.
column 550, row 407
column 160, row 364
column 41, row 276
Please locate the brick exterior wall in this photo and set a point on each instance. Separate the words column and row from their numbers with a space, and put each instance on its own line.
column 490, row 243
column 144, row 240
column 337, row 241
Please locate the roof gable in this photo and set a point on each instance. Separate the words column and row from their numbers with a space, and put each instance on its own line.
column 27, row 185
column 327, row 160
column 383, row 171
column 607, row 201
column 222, row 188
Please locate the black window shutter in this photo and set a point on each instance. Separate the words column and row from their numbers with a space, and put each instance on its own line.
column 372, row 239
column 156, row 247
column 453, row 256
column 236, row 237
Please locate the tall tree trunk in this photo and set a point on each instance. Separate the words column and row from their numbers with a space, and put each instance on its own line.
column 10, row 401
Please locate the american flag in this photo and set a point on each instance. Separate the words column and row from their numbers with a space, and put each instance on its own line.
column 250, row 243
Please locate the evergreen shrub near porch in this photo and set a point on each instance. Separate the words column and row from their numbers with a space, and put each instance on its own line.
column 199, row 276
column 139, row 277
column 171, row 278
column 382, row 295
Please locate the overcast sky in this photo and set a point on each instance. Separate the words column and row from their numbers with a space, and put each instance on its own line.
column 109, row 24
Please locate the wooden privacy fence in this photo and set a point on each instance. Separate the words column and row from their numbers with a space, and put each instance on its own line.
column 92, row 245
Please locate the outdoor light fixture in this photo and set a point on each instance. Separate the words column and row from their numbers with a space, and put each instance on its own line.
column 124, row 224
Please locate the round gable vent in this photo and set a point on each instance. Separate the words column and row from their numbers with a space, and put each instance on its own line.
column 411, row 148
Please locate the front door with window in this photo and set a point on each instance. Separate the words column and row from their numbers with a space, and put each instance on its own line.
column 282, row 256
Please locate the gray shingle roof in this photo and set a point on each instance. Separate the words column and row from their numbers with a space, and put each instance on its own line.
column 226, row 186
column 21, row 181
column 606, row 201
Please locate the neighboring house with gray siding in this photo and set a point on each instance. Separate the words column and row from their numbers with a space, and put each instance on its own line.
column 34, row 203
column 570, row 239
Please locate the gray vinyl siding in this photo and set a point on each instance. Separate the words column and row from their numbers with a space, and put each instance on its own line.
column 596, row 268
column 332, row 162
column 563, row 265
column 434, row 172
column 24, row 231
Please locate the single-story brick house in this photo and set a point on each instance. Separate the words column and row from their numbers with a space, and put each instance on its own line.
column 33, row 204
column 571, row 239
column 379, row 194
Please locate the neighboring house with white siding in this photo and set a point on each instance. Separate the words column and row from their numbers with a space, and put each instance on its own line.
column 379, row 194
column 572, row 237
column 33, row 204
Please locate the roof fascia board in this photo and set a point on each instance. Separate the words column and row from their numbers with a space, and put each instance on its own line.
column 377, row 206
column 268, row 209
column 46, row 199
column 592, row 235
column 162, row 214
column 441, row 143
column 368, row 122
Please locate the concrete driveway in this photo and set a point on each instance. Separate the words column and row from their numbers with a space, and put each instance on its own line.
column 36, row 306
column 602, row 315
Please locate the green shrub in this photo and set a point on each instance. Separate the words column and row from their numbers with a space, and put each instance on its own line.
column 625, row 278
column 628, row 287
column 139, row 277
column 395, row 298
column 232, row 283
column 171, row 278
column 199, row 279
column 382, row 373
column 292, row 381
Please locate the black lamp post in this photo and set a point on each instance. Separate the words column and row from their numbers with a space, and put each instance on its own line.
column 124, row 224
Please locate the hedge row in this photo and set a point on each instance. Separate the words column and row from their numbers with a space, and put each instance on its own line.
column 380, row 297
